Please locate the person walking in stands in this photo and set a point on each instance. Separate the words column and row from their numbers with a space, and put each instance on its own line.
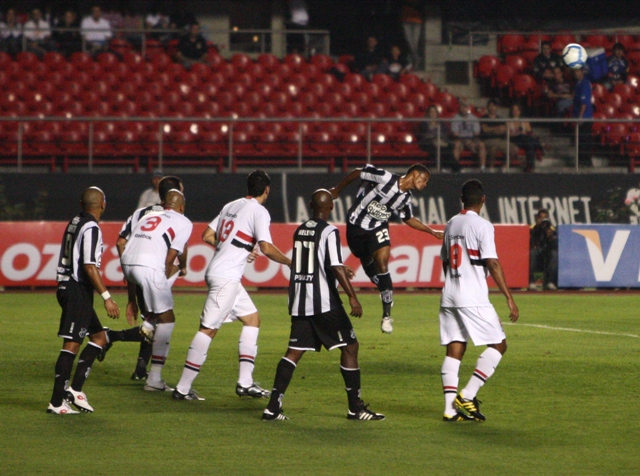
column 78, row 276
column 468, row 256
column 381, row 193
column 318, row 317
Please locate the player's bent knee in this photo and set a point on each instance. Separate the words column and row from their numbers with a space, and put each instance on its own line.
column 252, row 320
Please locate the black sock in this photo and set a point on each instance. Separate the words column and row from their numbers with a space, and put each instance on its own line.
column 370, row 270
column 144, row 355
column 87, row 357
column 352, row 386
column 386, row 292
column 64, row 365
column 284, row 373
column 131, row 335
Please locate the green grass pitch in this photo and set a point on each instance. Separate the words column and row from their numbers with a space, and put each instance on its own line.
column 561, row 402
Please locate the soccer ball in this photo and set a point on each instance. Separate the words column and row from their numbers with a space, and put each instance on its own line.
column 574, row 56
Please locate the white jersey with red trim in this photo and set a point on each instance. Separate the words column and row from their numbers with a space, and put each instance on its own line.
column 468, row 242
column 240, row 225
column 152, row 237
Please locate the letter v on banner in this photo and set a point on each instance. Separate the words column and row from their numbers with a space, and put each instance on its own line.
column 604, row 268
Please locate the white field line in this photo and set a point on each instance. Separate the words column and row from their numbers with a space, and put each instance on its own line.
column 568, row 329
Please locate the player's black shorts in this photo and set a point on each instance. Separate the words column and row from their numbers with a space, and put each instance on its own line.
column 363, row 243
column 78, row 319
column 331, row 329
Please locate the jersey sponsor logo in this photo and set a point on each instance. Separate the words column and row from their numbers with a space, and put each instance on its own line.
column 312, row 224
column 142, row 235
column 378, row 211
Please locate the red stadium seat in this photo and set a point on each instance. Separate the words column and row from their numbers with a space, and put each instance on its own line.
column 240, row 62
column 525, row 86
column 323, row 62
column 294, row 61
column 27, row 60
column 487, row 66
column 268, row 61
column 517, row 62
column 411, row 80
column 53, row 60
column 510, row 43
column 383, row 80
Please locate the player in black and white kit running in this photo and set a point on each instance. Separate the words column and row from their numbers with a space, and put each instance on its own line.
column 78, row 275
column 381, row 193
column 318, row 317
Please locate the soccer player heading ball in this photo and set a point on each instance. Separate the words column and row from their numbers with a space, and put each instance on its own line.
column 380, row 194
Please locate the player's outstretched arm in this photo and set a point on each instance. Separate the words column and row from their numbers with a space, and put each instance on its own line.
column 352, row 177
column 109, row 304
column 273, row 253
column 495, row 269
column 416, row 224
column 342, row 275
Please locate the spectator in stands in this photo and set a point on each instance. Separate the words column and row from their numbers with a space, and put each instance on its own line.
column 38, row 33
column 396, row 64
column 431, row 140
column 165, row 23
column 11, row 33
column 543, row 252
column 192, row 47
column 494, row 134
column 618, row 67
column 544, row 63
column 559, row 90
column 521, row 135
column 151, row 196
column 465, row 131
column 368, row 63
column 298, row 20
column 583, row 109
column 412, row 16
column 68, row 41
column 96, row 30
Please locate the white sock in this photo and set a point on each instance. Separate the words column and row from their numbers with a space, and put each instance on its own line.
column 485, row 367
column 247, row 352
column 159, row 351
column 449, row 373
column 196, row 356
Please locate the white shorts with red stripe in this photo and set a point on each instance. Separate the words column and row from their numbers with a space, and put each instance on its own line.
column 480, row 324
column 156, row 288
column 227, row 300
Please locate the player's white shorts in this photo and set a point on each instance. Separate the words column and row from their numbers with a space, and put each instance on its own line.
column 480, row 324
column 156, row 289
column 226, row 301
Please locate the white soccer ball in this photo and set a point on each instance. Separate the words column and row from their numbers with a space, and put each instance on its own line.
column 574, row 56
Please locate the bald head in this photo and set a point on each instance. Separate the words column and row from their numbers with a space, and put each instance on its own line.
column 321, row 202
column 92, row 199
column 174, row 199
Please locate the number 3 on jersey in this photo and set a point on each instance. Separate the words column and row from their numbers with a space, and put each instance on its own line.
column 151, row 223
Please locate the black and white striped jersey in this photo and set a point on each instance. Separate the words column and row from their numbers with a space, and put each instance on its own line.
column 132, row 221
column 81, row 244
column 313, row 287
column 379, row 195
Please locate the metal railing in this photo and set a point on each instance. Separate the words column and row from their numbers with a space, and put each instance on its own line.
column 495, row 35
column 260, row 40
column 229, row 125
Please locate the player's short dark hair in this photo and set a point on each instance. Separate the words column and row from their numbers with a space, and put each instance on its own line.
column 257, row 182
column 167, row 183
column 420, row 168
column 547, row 43
column 472, row 192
